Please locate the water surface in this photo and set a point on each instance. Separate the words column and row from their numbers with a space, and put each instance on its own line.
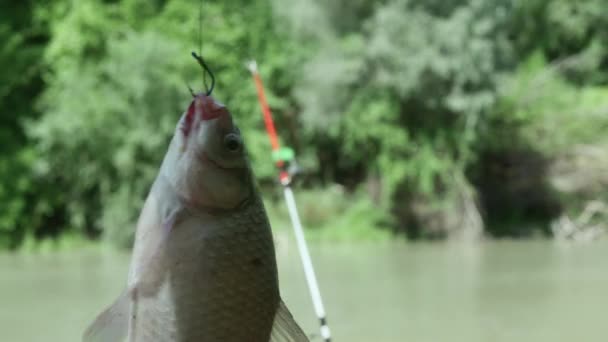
column 494, row 292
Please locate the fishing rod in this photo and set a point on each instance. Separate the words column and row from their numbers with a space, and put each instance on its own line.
column 281, row 157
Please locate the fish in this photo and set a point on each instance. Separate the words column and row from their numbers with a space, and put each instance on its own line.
column 203, row 265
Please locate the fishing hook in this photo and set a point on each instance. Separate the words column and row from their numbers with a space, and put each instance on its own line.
column 206, row 68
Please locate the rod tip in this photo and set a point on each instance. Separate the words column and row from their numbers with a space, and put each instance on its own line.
column 252, row 66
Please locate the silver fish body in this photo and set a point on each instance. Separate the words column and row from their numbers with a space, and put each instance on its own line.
column 224, row 288
column 221, row 283
column 203, row 267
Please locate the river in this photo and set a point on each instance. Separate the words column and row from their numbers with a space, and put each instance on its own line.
column 534, row 291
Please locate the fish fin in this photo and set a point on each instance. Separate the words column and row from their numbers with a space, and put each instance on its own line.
column 111, row 324
column 285, row 328
column 155, row 227
column 151, row 273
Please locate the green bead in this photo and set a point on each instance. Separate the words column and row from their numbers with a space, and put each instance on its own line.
column 283, row 154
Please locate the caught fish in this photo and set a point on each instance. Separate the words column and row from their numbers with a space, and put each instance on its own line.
column 203, row 267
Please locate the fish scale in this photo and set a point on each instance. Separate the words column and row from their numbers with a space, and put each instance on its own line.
column 230, row 293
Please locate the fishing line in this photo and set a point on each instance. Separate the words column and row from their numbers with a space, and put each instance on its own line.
column 200, row 38
column 200, row 28
column 199, row 57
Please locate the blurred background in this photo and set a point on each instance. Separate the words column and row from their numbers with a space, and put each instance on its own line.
column 453, row 155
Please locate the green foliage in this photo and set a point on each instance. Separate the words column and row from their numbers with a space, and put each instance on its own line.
column 404, row 90
column 541, row 123
column 564, row 125
column 564, row 30
column 332, row 215
column 446, row 105
column 116, row 87
column 541, row 101
column 97, row 134
column 23, row 38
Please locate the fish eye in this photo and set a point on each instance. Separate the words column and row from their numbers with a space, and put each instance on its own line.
column 233, row 142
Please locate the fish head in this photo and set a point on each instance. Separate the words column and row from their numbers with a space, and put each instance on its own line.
column 216, row 138
column 212, row 169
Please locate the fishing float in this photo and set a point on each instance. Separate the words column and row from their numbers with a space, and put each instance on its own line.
column 281, row 156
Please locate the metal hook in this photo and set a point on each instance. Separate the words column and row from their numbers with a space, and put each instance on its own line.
column 205, row 67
